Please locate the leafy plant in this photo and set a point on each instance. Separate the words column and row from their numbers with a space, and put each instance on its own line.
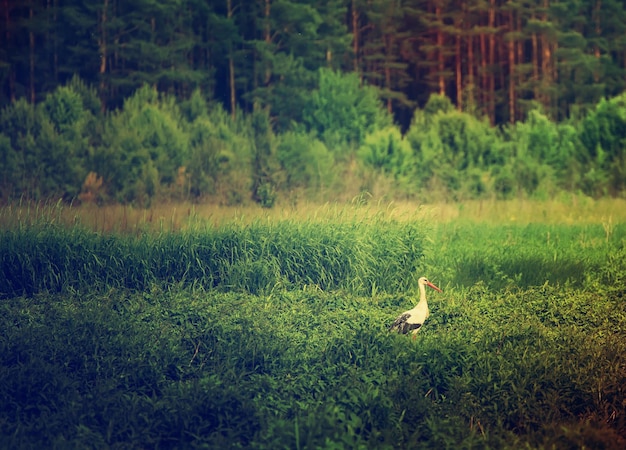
column 340, row 106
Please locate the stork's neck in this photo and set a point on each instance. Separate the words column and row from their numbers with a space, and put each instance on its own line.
column 422, row 294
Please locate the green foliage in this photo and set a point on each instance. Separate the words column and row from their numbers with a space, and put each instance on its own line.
column 157, row 148
column 257, row 258
column 306, row 162
column 265, row 194
column 9, row 167
column 88, row 95
column 530, row 354
column 452, row 148
column 504, row 184
column 603, row 137
column 436, row 104
column 538, row 136
column 48, row 146
column 264, row 163
column 542, row 154
column 21, row 125
column 341, row 108
column 144, row 146
column 269, row 52
column 220, row 153
column 63, row 108
column 387, row 152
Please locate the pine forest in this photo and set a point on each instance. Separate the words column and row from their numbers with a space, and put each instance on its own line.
column 239, row 100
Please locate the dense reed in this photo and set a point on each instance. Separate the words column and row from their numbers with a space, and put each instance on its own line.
column 258, row 257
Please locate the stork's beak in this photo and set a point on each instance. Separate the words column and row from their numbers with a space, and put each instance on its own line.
column 433, row 286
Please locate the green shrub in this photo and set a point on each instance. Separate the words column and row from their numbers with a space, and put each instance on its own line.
column 219, row 162
column 450, row 145
column 342, row 108
column 46, row 147
column 603, row 137
column 306, row 162
column 144, row 146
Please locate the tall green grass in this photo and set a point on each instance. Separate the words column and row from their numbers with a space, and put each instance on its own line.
column 273, row 334
column 506, row 256
column 360, row 257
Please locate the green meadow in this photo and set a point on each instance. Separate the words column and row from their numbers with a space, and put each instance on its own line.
column 193, row 327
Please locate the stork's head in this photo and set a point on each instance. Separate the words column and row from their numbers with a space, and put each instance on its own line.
column 423, row 281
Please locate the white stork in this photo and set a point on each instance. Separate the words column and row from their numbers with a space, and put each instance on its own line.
column 412, row 320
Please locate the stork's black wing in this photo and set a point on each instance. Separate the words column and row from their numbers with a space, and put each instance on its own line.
column 402, row 324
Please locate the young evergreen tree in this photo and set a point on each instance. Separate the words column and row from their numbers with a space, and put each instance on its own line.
column 144, row 145
column 306, row 163
column 603, row 137
column 449, row 144
column 340, row 109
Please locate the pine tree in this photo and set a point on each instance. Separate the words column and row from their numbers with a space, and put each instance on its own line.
column 383, row 65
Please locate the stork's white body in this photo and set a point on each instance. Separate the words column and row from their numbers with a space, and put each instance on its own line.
column 413, row 319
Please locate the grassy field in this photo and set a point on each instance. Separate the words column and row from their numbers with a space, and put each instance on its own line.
column 195, row 327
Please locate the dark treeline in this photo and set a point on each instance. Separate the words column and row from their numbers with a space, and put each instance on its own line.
column 237, row 100
column 499, row 58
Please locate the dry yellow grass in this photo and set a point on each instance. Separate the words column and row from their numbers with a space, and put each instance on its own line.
column 569, row 210
column 179, row 216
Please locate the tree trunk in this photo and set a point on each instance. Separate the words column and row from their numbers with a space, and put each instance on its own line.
column 519, row 57
column 231, row 68
column 470, row 69
column 484, row 79
column 441, row 56
column 267, row 37
column 103, row 53
column 388, row 49
column 459, row 75
column 492, row 60
column 355, row 38
column 512, row 76
column 598, row 31
column 55, row 19
column 535, row 59
column 31, row 40
column 7, row 36
column 546, row 63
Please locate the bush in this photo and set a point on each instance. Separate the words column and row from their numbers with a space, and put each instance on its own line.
column 306, row 162
column 219, row 163
column 603, row 153
column 341, row 107
column 46, row 147
column 448, row 145
column 387, row 153
column 144, row 145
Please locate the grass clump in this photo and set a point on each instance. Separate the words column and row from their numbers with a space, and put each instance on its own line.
column 258, row 257
column 528, row 255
